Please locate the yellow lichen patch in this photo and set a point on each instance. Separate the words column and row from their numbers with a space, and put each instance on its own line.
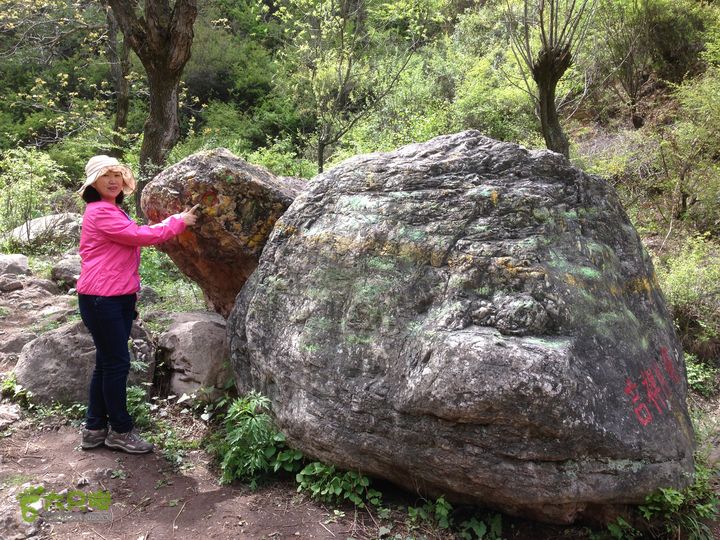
column 639, row 285
column 459, row 260
column 285, row 229
column 436, row 258
column 262, row 234
column 406, row 250
column 494, row 197
column 508, row 264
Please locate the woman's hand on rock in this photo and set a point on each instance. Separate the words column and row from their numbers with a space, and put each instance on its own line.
column 188, row 216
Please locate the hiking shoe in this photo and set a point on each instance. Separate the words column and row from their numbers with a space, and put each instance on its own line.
column 92, row 438
column 129, row 442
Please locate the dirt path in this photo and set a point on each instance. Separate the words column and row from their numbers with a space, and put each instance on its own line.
column 149, row 500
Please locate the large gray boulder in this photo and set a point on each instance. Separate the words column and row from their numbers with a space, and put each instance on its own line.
column 58, row 365
column 64, row 227
column 469, row 318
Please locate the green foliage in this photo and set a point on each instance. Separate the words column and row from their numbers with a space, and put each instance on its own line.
column 217, row 63
column 281, row 158
column 690, row 280
column 340, row 62
column 325, row 483
column 701, row 377
column 224, row 121
column 487, row 102
column 251, row 446
column 177, row 292
column 416, row 110
column 14, row 391
column 157, row 268
column 76, row 412
column 684, row 512
column 675, row 31
column 440, row 514
column 30, row 183
column 172, row 447
column 138, row 406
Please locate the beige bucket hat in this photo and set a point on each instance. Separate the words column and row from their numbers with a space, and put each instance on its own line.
column 99, row 165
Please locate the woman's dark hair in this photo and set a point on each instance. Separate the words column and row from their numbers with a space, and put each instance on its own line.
column 91, row 195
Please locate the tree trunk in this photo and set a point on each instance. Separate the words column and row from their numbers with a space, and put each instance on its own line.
column 555, row 138
column 161, row 130
column 547, row 71
column 162, row 39
column 119, row 57
column 321, row 156
column 636, row 118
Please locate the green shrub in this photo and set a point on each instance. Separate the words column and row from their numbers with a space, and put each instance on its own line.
column 251, row 446
column 438, row 512
column 326, row 484
column 486, row 101
column 178, row 293
column 684, row 513
column 282, row 159
column 690, row 281
column 29, row 182
column 138, row 406
column 622, row 530
column 701, row 377
column 14, row 391
column 441, row 515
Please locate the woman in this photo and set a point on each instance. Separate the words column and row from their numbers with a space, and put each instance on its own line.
column 109, row 280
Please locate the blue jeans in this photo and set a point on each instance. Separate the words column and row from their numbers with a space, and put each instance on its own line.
column 109, row 320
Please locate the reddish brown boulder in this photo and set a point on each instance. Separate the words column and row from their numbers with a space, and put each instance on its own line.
column 239, row 205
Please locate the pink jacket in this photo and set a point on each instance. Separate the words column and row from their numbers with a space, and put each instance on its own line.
column 110, row 248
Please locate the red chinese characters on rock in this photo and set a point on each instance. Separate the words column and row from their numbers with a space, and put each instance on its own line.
column 655, row 388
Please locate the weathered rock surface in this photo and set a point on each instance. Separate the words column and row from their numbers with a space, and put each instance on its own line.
column 9, row 414
column 469, row 318
column 239, row 204
column 66, row 271
column 12, row 525
column 58, row 365
column 63, row 227
column 15, row 341
column 194, row 347
column 29, row 305
column 14, row 265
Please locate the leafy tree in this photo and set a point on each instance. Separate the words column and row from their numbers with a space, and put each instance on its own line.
column 625, row 35
column 343, row 57
column 689, row 154
column 545, row 35
column 40, row 31
column 484, row 98
column 30, row 185
column 161, row 37
column 675, row 35
column 37, row 40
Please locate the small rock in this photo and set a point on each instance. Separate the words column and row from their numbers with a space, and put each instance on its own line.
column 15, row 264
